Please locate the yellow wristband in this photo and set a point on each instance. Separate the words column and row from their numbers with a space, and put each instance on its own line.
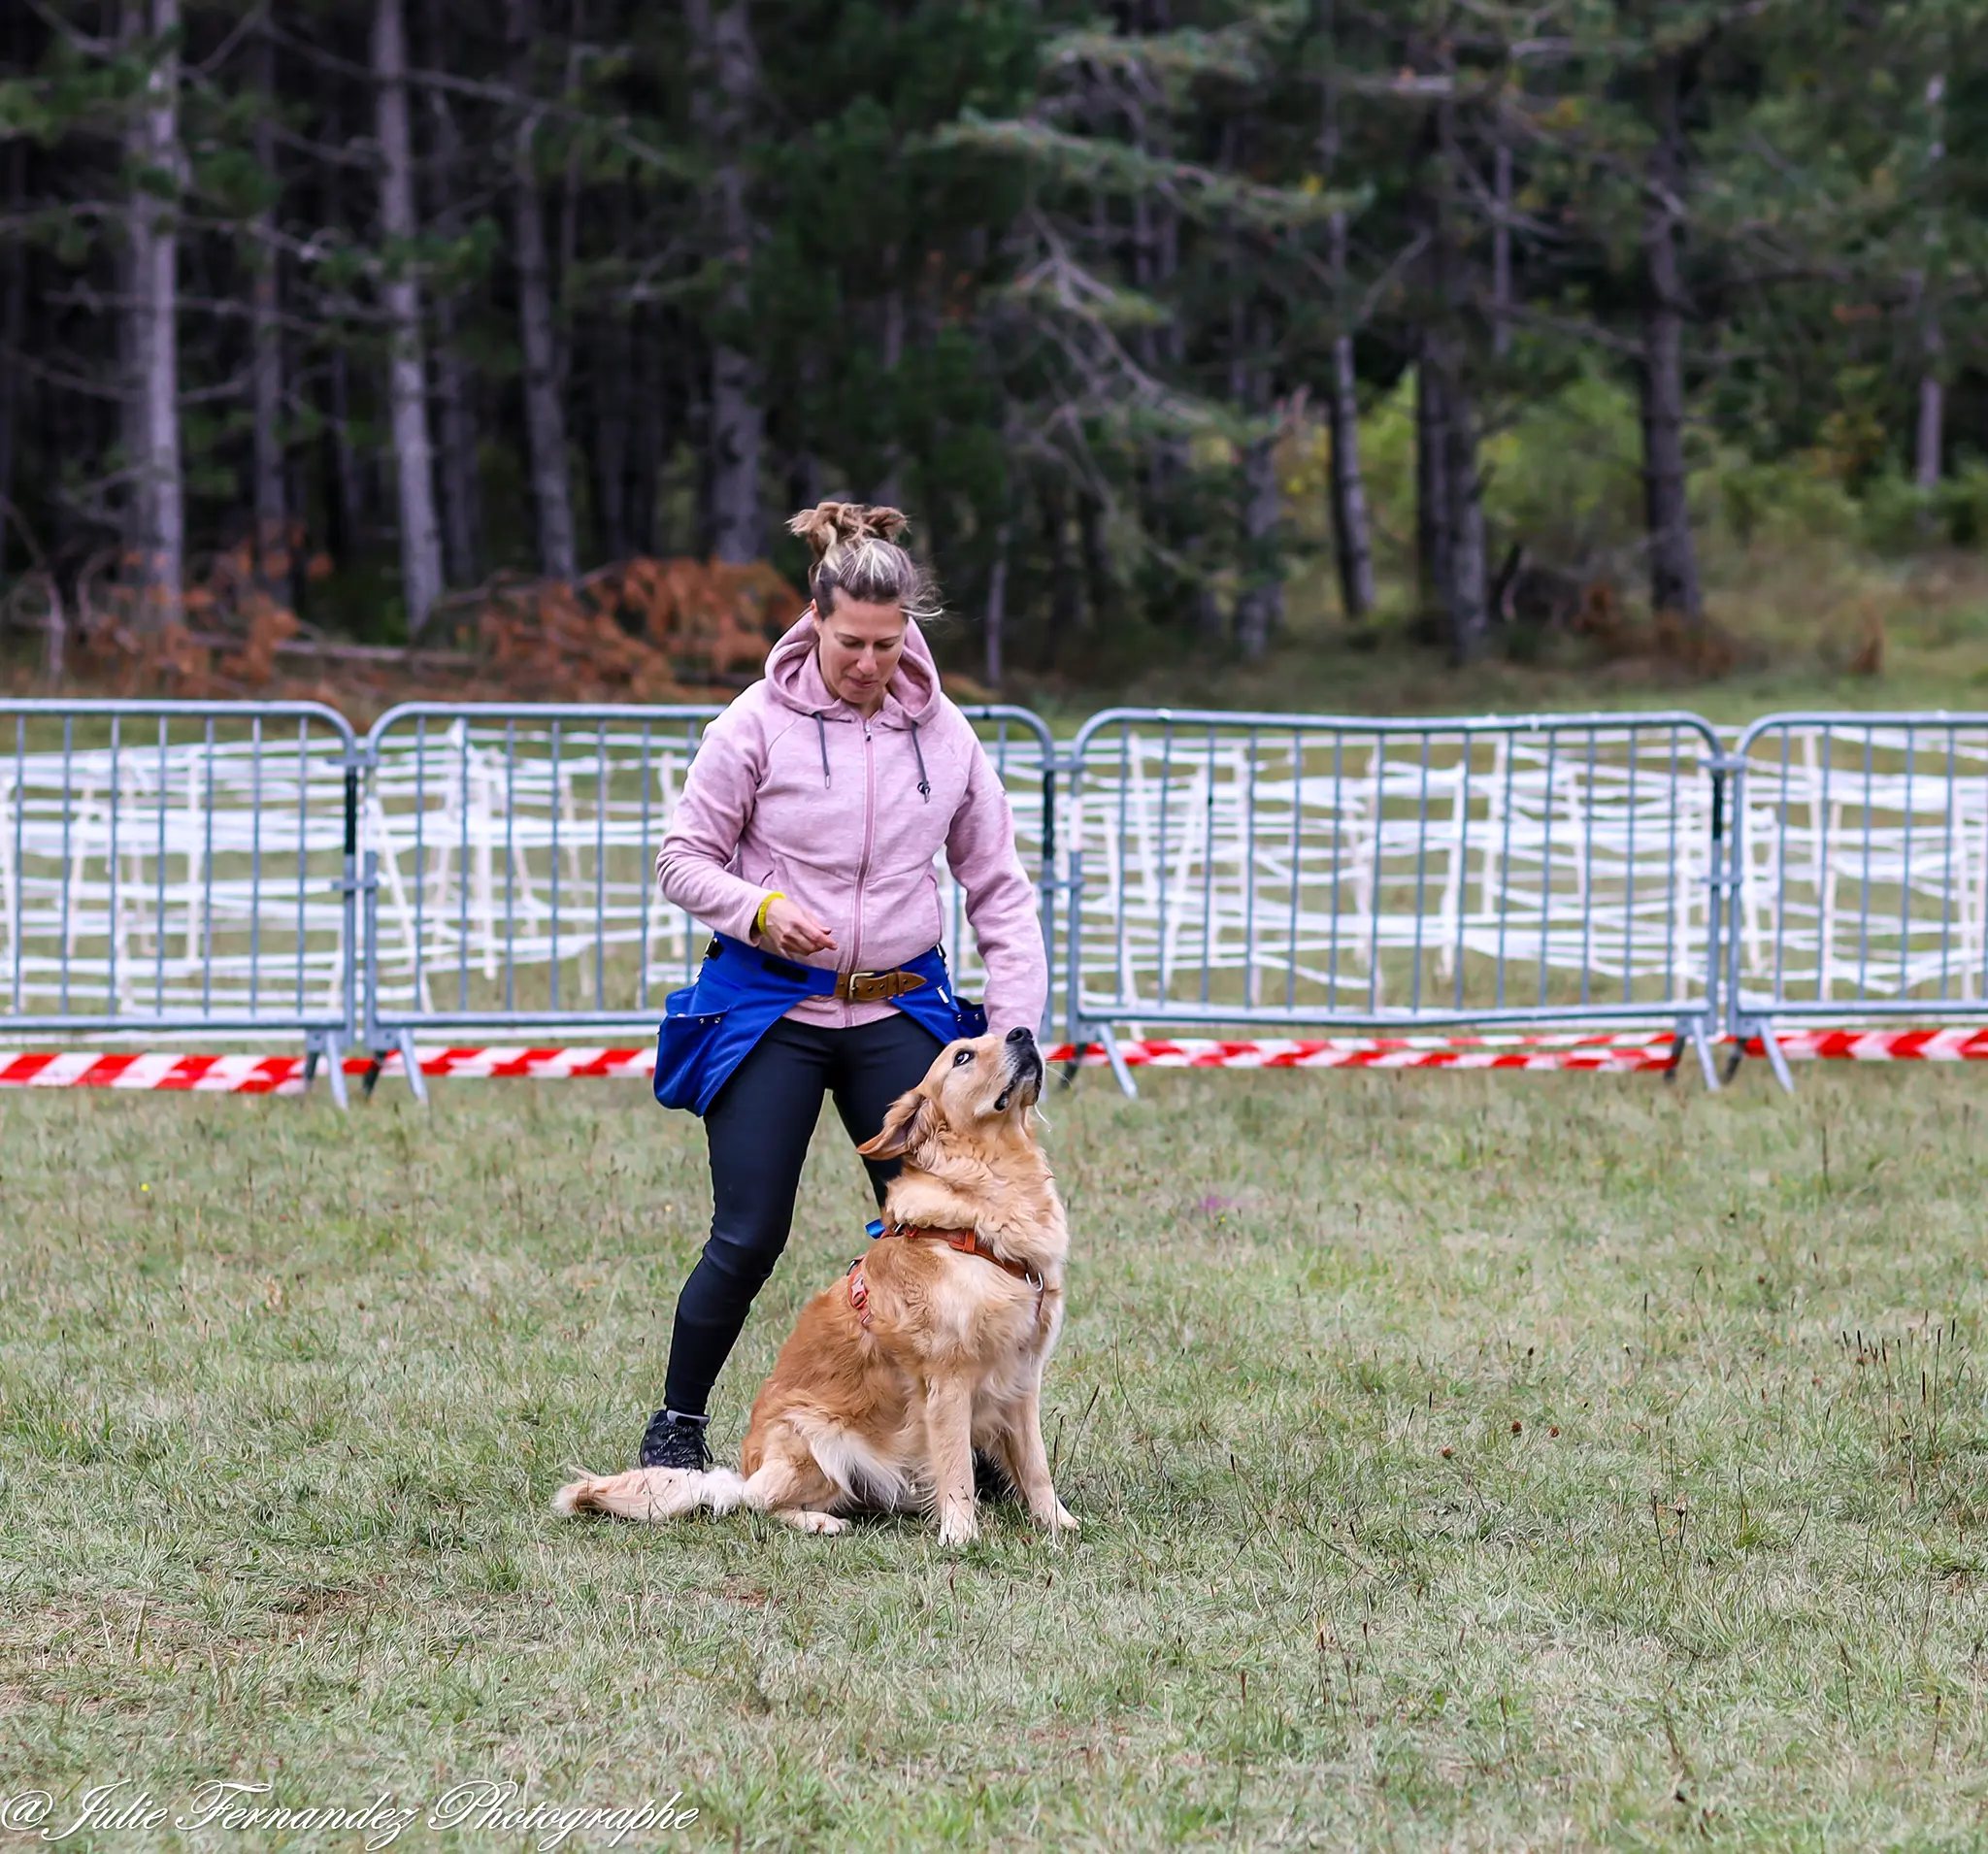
column 759, row 919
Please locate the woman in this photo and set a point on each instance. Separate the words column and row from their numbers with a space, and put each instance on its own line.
column 806, row 837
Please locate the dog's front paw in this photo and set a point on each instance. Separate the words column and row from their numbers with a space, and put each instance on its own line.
column 959, row 1527
column 1050, row 1513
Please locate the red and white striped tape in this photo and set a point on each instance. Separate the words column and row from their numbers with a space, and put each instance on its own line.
column 1623, row 1052
column 1612, row 1053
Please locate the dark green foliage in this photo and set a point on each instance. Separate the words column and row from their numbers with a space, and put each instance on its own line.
column 1048, row 274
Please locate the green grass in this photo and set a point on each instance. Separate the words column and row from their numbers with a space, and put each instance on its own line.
column 1481, row 1462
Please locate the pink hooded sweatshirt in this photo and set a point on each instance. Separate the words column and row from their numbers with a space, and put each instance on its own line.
column 793, row 790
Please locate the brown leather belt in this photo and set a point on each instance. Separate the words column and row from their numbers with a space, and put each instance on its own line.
column 852, row 987
column 875, row 987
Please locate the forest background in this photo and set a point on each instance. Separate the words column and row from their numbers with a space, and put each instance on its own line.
column 1414, row 352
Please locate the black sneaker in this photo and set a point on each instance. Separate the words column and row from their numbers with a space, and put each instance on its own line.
column 674, row 1440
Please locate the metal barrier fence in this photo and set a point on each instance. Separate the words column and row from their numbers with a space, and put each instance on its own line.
column 254, row 869
column 175, row 866
column 1260, row 869
column 1859, row 872
column 510, row 856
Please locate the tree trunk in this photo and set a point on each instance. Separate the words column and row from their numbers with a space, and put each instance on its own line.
column 462, row 501
column 1501, row 245
column 609, row 394
column 457, row 470
column 1209, row 622
column 615, row 393
column 1928, row 442
column 1432, row 486
column 997, row 611
column 1062, row 613
column 1259, row 608
column 889, row 489
column 1463, row 500
column 137, row 505
column 154, row 342
column 271, row 518
column 722, row 48
column 1260, row 605
column 348, row 510
column 1667, row 509
column 804, row 477
column 1146, row 263
column 1456, row 485
column 1351, row 534
column 545, row 412
column 1930, row 445
column 1098, row 584
column 735, row 426
column 347, row 506
column 13, row 377
column 271, row 551
column 649, row 442
column 420, row 543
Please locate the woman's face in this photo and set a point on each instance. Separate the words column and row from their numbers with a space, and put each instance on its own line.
column 859, row 650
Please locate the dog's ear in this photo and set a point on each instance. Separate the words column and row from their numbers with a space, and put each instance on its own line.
column 908, row 1124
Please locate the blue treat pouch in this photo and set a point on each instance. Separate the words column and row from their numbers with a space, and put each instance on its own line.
column 683, row 1046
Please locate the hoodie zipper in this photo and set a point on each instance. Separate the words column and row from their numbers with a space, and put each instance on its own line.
column 869, row 845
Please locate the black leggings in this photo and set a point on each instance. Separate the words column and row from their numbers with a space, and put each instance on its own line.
column 759, row 1127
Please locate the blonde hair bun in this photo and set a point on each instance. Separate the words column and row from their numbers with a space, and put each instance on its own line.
column 856, row 553
column 828, row 522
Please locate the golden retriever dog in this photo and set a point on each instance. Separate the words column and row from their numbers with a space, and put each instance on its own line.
column 932, row 1346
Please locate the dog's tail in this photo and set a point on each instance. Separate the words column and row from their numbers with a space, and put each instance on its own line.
column 652, row 1494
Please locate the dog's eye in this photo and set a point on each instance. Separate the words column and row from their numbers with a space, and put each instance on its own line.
column 965, row 1055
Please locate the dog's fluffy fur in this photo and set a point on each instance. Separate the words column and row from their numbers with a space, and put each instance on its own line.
column 886, row 1416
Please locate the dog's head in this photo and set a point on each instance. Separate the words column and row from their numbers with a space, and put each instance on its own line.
column 979, row 1090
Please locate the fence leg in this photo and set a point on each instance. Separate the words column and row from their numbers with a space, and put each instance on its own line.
column 1744, row 1028
column 1115, row 1056
column 1776, row 1057
column 1074, row 1028
column 1077, row 1036
column 410, row 1065
column 329, row 1046
column 403, row 1042
column 1702, row 1042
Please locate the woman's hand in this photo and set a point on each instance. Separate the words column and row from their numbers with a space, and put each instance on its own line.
column 792, row 932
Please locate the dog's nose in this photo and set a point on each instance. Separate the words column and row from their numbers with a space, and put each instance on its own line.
column 1020, row 1034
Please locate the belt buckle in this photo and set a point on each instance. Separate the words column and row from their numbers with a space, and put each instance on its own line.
column 854, row 982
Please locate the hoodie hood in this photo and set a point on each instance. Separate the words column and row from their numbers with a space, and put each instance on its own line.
column 794, row 676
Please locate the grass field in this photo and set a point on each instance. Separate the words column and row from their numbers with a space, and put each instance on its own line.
column 1484, row 1461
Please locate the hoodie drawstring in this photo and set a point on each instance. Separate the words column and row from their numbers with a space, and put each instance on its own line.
column 821, row 740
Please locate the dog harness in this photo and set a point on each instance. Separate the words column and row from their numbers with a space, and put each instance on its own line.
column 966, row 1242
